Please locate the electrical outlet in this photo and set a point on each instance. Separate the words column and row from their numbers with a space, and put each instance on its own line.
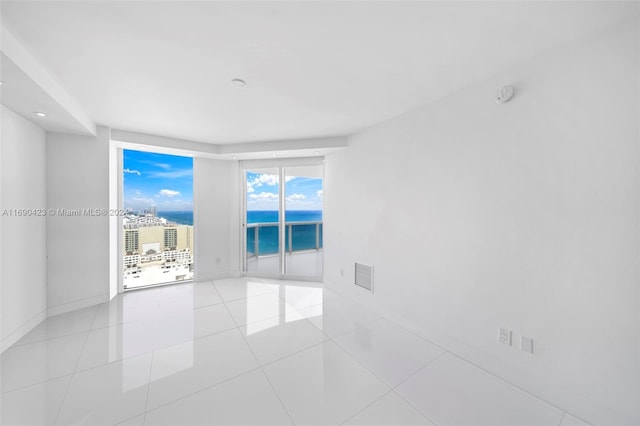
column 504, row 336
column 526, row 344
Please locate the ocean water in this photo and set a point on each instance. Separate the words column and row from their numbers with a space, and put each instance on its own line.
column 253, row 216
column 181, row 218
column 303, row 236
column 271, row 216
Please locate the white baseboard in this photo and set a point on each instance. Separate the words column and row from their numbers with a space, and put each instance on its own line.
column 17, row 334
column 77, row 304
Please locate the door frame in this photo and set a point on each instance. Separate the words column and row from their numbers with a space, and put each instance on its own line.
column 281, row 164
column 116, row 203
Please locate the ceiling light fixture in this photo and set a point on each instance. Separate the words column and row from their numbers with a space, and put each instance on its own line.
column 275, row 155
column 234, row 157
column 238, row 82
column 40, row 114
column 1, row 83
column 316, row 153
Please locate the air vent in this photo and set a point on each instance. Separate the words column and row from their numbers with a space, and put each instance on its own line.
column 364, row 276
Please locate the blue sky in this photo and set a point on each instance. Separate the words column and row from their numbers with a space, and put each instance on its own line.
column 165, row 181
column 302, row 193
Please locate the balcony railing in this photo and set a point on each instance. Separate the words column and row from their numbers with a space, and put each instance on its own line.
column 263, row 238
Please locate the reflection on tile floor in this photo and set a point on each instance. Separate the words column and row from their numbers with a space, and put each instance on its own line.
column 247, row 351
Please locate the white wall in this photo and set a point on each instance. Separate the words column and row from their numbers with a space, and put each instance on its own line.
column 523, row 215
column 79, row 254
column 216, row 218
column 638, row 293
column 78, row 247
column 23, row 244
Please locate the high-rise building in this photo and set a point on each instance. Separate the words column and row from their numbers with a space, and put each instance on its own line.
column 170, row 238
column 131, row 241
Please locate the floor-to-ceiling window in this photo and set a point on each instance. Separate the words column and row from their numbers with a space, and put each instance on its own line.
column 157, row 233
column 303, row 221
column 283, row 219
column 263, row 220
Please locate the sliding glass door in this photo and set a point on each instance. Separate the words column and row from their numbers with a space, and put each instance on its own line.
column 303, row 221
column 262, row 221
column 283, row 222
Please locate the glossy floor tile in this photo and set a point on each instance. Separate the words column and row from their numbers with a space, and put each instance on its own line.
column 134, row 421
column 111, row 344
column 301, row 295
column 188, row 296
column 37, row 362
column 339, row 316
column 388, row 350
column 240, row 288
column 107, row 394
column 181, row 370
column 258, row 308
column 569, row 420
column 323, row 385
column 391, row 409
column 247, row 351
column 61, row 325
column 450, row 391
column 111, row 313
column 278, row 337
column 244, row 400
column 34, row 405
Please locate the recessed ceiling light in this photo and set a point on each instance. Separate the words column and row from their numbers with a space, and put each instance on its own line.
column 238, row 82
column 40, row 114
column 234, row 157
column 1, row 83
column 274, row 155
column 316, row 153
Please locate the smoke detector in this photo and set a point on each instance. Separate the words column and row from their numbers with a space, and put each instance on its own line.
column 504, row 94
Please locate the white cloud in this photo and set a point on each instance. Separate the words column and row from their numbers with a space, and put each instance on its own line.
column 260, row 180
column 172, row 174
column 168, row 193
column 147, row 201
column 135, row 172
column 296, row 197
column 170, row 204
column 163, row 166
column 264, row 196
column 138, row 203
column 320, row 193
column 265, row 179
column 263, row 201
column 270, row 180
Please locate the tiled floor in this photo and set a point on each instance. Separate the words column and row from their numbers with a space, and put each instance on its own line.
column 247, row 351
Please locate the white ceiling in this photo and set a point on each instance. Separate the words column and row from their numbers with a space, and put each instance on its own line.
column 24, row 96
column 314, row 68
